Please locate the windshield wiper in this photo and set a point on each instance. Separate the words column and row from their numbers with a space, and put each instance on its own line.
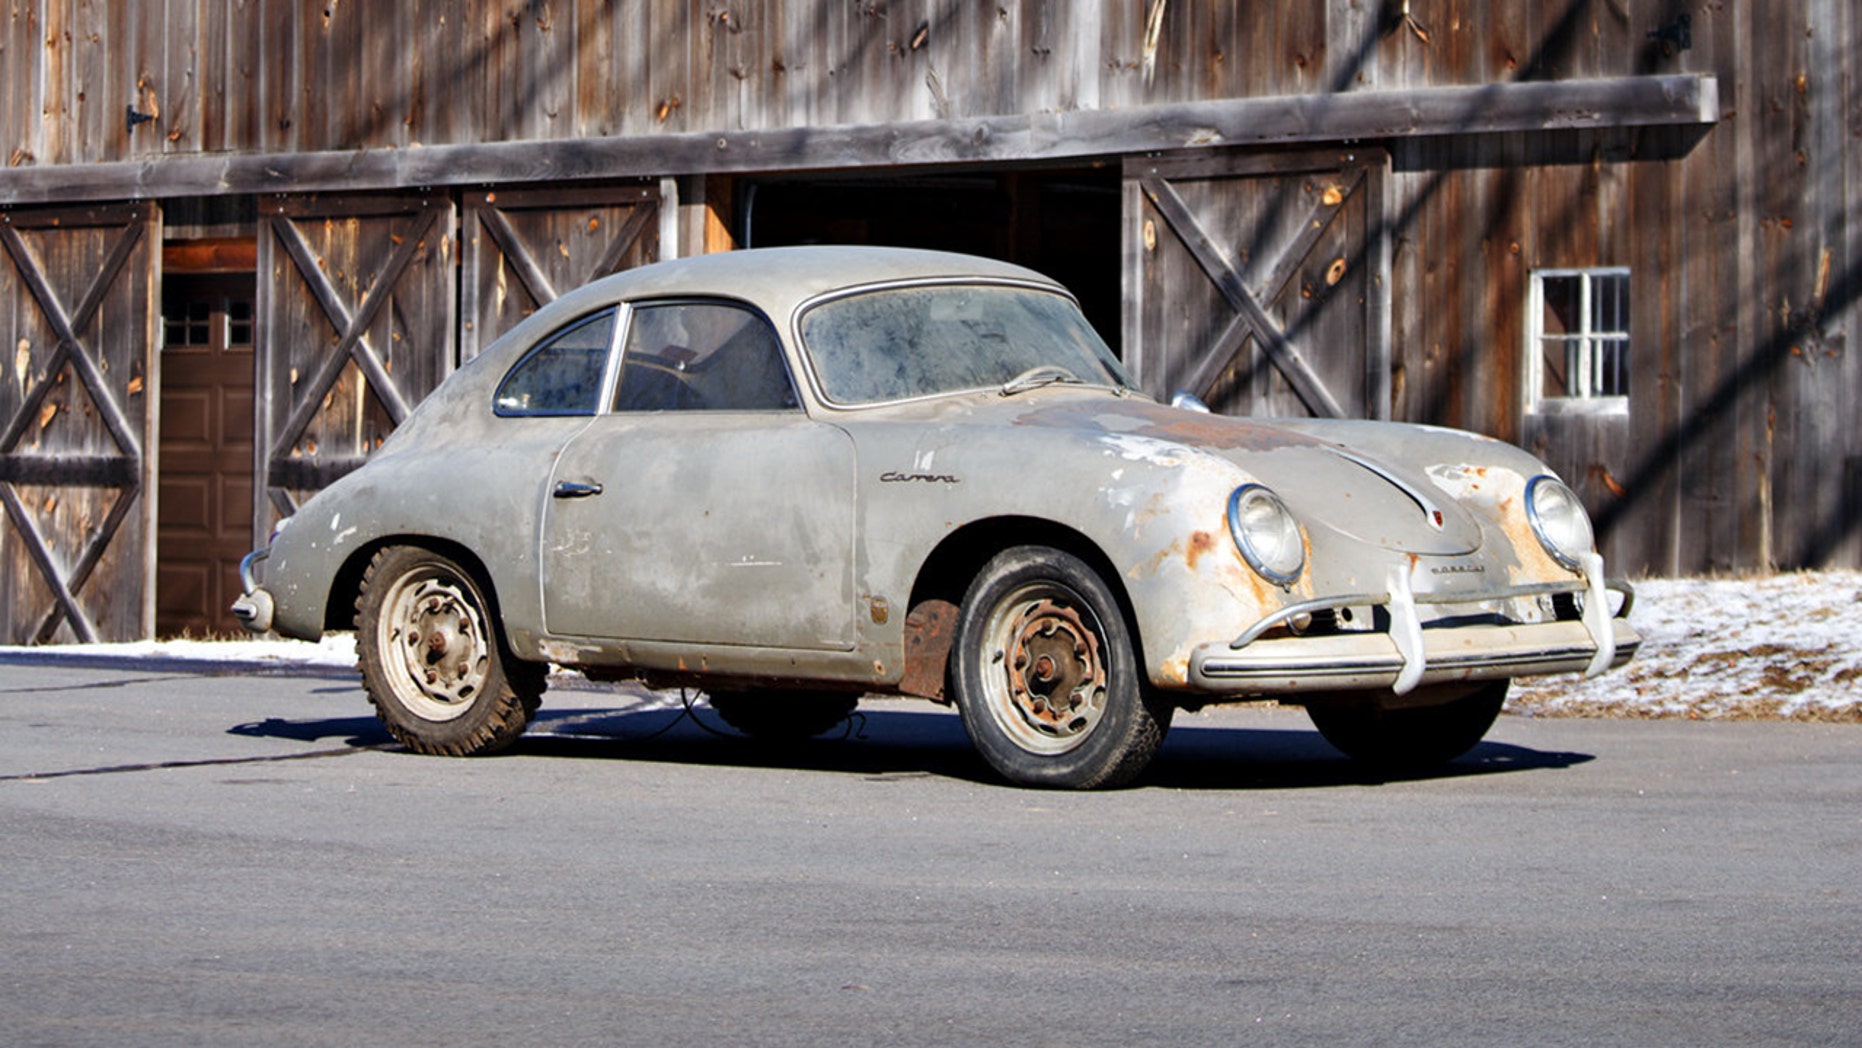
column 1038, row 376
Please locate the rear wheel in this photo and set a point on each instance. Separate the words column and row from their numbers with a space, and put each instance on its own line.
column 1046, row 677
column 433, row 659
column 1409, row 737
column 778, row 716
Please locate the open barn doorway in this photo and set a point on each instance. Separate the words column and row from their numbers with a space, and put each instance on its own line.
column 205, row 443
column 1062, row 222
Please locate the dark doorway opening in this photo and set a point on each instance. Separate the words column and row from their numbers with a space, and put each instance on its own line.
column 1064, row 223
column 204, row 512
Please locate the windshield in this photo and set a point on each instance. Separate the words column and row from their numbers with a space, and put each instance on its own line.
column 920, row 341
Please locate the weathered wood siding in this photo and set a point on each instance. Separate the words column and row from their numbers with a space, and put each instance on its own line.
column 279, row 76
column 1739, row 451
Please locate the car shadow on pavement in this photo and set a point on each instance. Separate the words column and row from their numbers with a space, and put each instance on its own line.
column 1216, row 758
column 870, row 743
column 890, row 743
column 884, row 743
column 354, row 731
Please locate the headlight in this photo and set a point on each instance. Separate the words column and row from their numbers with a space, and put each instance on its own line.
column 1267, row 535
column 1558, row 518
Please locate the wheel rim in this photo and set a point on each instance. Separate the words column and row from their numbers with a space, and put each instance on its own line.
column 1046, row 676
column 433, row 642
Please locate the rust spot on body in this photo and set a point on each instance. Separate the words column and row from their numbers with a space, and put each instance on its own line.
column 1175, row 671
column 929, row 629
column 1201, row 542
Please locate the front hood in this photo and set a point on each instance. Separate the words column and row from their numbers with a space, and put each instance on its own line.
column 1377, row 502
column 1382, row 500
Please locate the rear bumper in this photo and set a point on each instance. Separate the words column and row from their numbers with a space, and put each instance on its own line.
column 254, row 608
column 1409, row 654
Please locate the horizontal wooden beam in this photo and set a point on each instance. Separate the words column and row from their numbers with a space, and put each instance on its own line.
column 1551, row 105
column 64, row 470
column 310, row 474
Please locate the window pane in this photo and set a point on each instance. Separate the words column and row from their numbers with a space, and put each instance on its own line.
column 563, row 375
column 1610, row 303
column 1612, row 368
column 1559, row 357
column 239, row 322
column 702, row 356
column 1563, row 314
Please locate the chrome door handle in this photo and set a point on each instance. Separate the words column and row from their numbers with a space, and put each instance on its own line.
column 569, row 489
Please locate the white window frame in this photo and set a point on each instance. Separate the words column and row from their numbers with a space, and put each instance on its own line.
column 1583, row 400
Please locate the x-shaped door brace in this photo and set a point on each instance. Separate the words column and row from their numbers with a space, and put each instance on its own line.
column 524, row 264
column 353, row 343
column 1250, row 316
column 123, row 470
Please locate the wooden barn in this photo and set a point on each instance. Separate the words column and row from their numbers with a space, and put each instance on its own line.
column 240, row 239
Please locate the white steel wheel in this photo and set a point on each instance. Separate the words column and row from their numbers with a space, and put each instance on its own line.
column 1045, row 674
column 435, row 633
column 432, row 659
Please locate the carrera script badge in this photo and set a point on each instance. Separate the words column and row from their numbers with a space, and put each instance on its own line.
column 895, row 477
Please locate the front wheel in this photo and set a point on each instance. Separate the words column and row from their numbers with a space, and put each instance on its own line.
column 433, row 659
column 1046, row 677
column 1409, row 737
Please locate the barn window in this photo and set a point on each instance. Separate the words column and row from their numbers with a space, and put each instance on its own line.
column 1578, row 331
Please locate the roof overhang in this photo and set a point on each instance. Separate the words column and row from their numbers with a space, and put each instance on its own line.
column 1552, row 105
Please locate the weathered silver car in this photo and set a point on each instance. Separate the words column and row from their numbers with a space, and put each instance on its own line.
column 796, row 476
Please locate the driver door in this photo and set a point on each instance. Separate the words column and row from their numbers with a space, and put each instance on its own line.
column 706, row 506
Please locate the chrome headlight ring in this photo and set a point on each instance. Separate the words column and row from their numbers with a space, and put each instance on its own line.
column 1266, row 534
column 1559, row 520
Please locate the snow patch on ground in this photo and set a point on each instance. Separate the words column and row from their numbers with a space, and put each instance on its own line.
column 1787, row 647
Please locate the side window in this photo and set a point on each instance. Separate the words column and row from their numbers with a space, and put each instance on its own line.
column 562, row 376
column 702, row 356
column 1578, row 331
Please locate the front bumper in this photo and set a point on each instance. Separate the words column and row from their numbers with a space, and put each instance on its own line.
column 1409, row 655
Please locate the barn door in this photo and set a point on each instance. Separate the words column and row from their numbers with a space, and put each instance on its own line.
column 523, row 248
column 1260, row 282
column 355, row 326
column 77, row 313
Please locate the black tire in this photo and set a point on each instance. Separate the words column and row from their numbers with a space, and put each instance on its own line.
column 433, row 658
column 783, row 716
column 1409, row 737
column 1045, row 675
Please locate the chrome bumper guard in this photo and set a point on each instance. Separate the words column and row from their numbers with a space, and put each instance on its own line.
column 254, row 607
column 1408, row 656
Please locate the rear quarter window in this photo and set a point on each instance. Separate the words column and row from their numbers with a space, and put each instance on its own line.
column 562, row 375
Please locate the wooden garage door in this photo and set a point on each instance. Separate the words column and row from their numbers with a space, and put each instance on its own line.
column 1260, row 282
column 77, row 316
column 204, row 519
column 523, row 248
column 355, row 326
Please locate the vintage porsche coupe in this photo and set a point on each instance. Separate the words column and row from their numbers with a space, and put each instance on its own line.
column 796, row 476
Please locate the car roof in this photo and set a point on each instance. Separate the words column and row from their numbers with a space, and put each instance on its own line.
column 779, row 279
